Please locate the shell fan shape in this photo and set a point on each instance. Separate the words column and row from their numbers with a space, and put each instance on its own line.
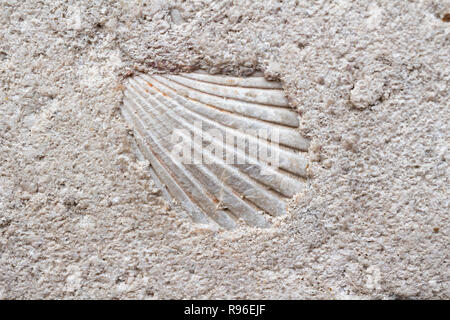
column 227, row 149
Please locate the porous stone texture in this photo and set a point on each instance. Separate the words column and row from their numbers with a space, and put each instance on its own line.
column 81, row 218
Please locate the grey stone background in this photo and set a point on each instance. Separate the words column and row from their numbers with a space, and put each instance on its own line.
column 80, row 217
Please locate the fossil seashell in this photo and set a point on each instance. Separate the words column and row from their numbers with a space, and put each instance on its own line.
column 225, row 148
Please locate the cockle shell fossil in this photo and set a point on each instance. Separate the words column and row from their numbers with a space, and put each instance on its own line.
column 242, row 155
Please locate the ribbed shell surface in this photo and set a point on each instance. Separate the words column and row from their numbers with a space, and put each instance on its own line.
column 206, row 110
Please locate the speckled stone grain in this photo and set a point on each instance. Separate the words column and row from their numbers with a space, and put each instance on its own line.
column 81, row 218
